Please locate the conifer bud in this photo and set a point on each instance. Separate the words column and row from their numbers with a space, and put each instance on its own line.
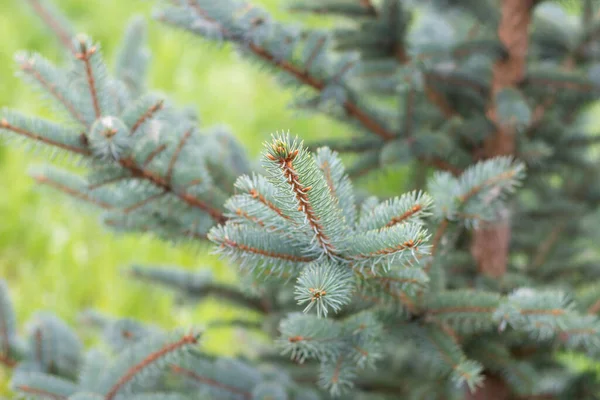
column 109, row 138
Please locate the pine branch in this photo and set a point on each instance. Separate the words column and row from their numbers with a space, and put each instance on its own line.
column 302, row 75
column 285, row 159
column 64, row 36
column 158, row 150
column 194, row 376
column 144, row 202
column 83, row 150
column 257, row 195
column 46, row 180
column 265, row 253
column 148, row 362
column 194, row 286
column 176, row 153
column 458, row 310
column 147, row 115
column 28, row 67
column 84, row 55
column 40, row 392
column 162, row 183
column 546, row 246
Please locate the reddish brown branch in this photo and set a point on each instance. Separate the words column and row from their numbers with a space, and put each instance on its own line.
column 466, row 309
column 154, row 153
column 369, row 6
column 71, row 192
column 265, row 253
column 4, row 124
column 7, row 361
column 148, row 362
column 304, row 204
column 558, row 84
column 249, row 217
column 255, row 194
column 176, row 154
column 411, row 244
column 85, row 55
column 437, row 238
column 338, row 369
column 108, row 182
column 439, row 233
column 142, row 203
column 594, row 308
column 303, row 76
column 325, row 167
column 40, row 392
column 488, row 182
column 554, row 312
column 354, row 110
column 209, row 381
column 546, row 246
column 147, row 115
column 161, row 182
column 313, row 55
column 28, row 68
column 392, row 279
column 446, row 357
column 62, row 34
column 401, row 218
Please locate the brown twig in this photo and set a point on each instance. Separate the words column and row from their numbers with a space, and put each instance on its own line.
column 153, row 154
column 407, row 214
column 286, row 163
column 176, row 153
column 303, row 76
column 209, row 381
column 142, row 203
column 161, row 182
column 62, row 34
column 149, row 361
column 147, row 115
column 71, row 192
column 84, row 55
column 28, row 67
column 265, row 253
column 4, row 124
column 40, row 392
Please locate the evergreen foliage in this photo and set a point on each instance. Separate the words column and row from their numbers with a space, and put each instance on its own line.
column 466, row 285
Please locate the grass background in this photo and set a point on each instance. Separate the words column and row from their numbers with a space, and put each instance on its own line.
column 58, row 257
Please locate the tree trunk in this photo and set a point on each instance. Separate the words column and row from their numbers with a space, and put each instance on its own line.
column 490, row 243
column 494, row 388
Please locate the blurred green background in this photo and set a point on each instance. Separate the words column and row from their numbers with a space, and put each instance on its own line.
column 56, row 255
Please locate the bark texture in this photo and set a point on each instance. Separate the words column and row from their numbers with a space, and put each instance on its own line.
column 494, row 388
column 491, row 242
